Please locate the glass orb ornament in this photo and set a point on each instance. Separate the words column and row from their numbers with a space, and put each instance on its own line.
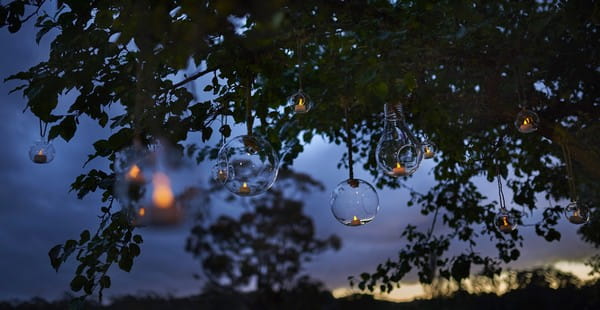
column 392, row 139
column 300, row 102
column 505, row 222
column 527, row 121
column 156, row 189
column 577, row 213
column 42, row 152
column 428, row 150
column 254, row 165
column 354, row 202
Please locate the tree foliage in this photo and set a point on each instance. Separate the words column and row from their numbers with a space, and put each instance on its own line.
column 462, row 68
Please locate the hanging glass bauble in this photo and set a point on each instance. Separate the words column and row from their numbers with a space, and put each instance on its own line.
column 577, row 213
column 300, row 102
column 354, row 202
column 222, row 171
column 42, row 152
column 428, row 150
column 155, row 190
column 392, row 140
column 506, row 222
column 527, row 121
column 254, row 165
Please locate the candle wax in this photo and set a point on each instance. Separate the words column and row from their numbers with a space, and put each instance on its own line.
column 355, row 221
column 299, row 108
column 40, row 158
column 244, row 189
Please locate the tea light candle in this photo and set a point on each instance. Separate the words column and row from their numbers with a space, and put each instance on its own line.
column 505, row 226
column 244, row 189
column 222, row 175
column 135, row 174
column 40, row 157
column 300, row 107
column 355, row 221
column 398, row 170
column 428, row 153
column 527, row 125
column 162, row 196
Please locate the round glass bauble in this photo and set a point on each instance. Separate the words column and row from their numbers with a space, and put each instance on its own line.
column 254, row 165
column 408, row 159
column 506, row 222
column 300, row 102
column 577, row 213
column 42, row 152
column 527, row 121
column 354, row 202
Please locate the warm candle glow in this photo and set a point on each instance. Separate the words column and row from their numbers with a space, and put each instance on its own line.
column 142, row 211
column 527, row 121
column 40, row 152
column 300, row 107
column 398, row 170
column 162, row 196
column 355, row 221
column 134, row 173
column 428, row 153
column 244, row 189
column 504, row 221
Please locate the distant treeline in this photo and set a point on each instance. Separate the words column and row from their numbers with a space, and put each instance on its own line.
column 543, row 288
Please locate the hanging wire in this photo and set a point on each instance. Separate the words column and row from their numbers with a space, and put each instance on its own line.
column 349, row 143
column 569, row 166
column 299, row 50
column 43, row 128
column 500, row 192
column 249, row 119
column 223, row 122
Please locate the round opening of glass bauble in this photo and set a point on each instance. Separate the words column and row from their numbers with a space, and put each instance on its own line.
column 42, row 152
column 527, row 121
column 354, row 202
column 253, row 165
column 505, row 222
column 577, row 213
column 408, row 159
column 300, row 102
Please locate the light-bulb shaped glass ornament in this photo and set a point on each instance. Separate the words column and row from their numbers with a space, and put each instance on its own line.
column 254, row 165
column 505, row 221
column 300, row 102
column 42, row 152
column 527, row 121
column 392, row 139
column 428, row 150
column 354, row 202
column 156, row 189
column 577, row 213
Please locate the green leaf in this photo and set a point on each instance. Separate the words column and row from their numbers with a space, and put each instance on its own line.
column 78, row 282
column 84, row 237
column 137, row 239
column 105, row 282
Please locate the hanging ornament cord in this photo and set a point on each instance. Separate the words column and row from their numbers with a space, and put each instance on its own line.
column 500, row 192
column 43, row 129
column 520, row 101
column 570, row 174
column 299, row 49
column 223, row 122
column 249, row 119
column 349, row 144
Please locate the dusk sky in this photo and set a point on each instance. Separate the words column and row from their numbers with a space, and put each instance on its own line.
column 37, row 211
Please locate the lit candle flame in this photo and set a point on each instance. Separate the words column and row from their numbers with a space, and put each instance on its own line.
column 162, row 196
column 245, row 186
column 40, row 152
column 300, row 101
column 526, row 121
column 142, row 211
column 504, row 221
column 134, row 172
column 355, row 218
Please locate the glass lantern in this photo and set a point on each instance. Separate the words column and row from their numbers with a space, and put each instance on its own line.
column 300, row 102
column 42, row 152
column 428, row 150
column 577, row 213
column 354, row 202
column 506, row 222
column 527, row 121
column 156, row 190
column 397, row 154
column 252, row 167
